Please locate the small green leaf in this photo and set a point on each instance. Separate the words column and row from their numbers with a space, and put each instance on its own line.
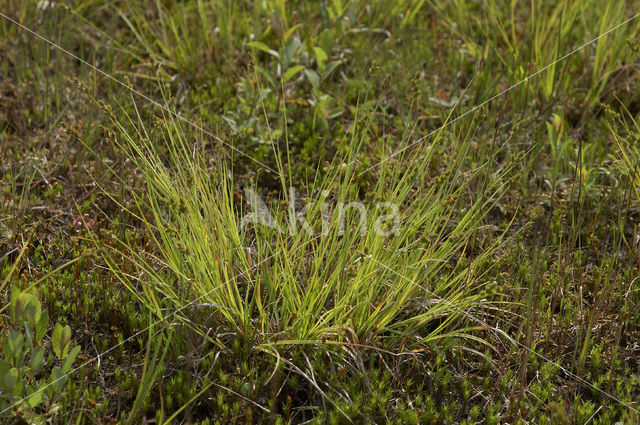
column 25, row 306
column 290, row 32
column 32, row 310
column 60, row 340
column 35, row 362
column 35, row 398
column 12, row 347
column 245, row 389
column 56, row 379
column 69, row 359
column 331, row 66
column 261, row 46
column 291, row 72
column 28, row 332
column 66, row 339
column 321, row 56
column 42, row 325
column 10, row 379
column 290, row 50
column 313, row 78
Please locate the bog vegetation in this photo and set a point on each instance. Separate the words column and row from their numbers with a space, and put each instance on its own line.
column 504, row 134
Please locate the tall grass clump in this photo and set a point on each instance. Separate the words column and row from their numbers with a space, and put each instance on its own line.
column 265, row 281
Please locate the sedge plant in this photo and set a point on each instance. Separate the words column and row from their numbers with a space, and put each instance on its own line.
column 280, row 284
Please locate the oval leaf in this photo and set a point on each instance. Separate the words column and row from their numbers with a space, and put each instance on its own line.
column 66, row 340
column 56, row 340
column 68, row 361
column 10, row 379
column 313, row 77
column 290, row 32
column 35, row 398
column 290, row 50
column 291, row 72
column 321, row 56
column 261, row 46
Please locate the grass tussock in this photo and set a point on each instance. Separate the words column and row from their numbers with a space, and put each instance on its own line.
column 334, row 212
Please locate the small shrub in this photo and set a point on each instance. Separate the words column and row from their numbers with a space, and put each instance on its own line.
column 25, row 391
